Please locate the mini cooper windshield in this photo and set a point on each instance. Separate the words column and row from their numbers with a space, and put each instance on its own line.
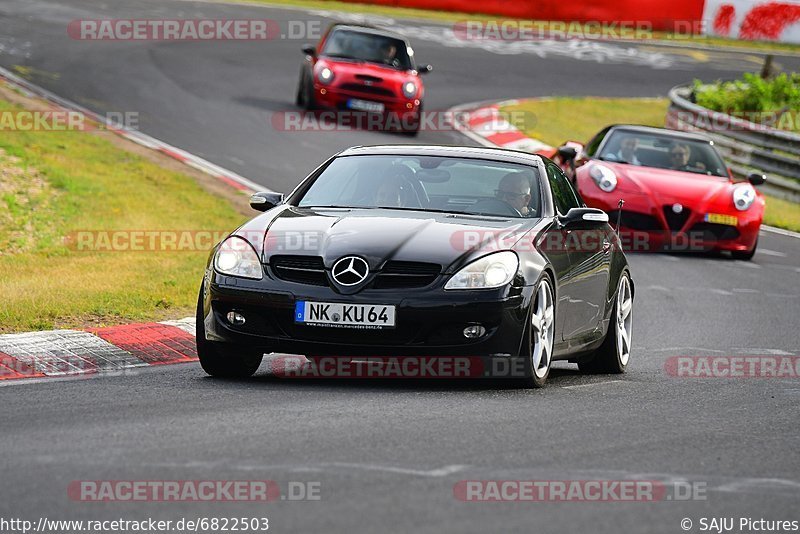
column 369, row 47
column 426, row 183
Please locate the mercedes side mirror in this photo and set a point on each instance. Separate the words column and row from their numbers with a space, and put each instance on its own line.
column 585, row 217
column 757, row 179
column 265, row 201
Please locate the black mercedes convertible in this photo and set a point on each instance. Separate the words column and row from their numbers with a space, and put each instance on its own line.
column 421, row 251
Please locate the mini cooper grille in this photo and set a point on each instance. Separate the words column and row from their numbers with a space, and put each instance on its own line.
column 676, row 220
column 715, row 232
column 406, row 274
column 635, row 221
column 368, row 79
column 367, row 89
column 301, row 269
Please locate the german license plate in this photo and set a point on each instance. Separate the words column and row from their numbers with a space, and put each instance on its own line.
column 337, row 314
column 365, row 105
column 721, row 218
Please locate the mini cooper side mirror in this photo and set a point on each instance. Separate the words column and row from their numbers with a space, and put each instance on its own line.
column 757, row 179
column 265, row 201
column 567, row 153
column 424, row 69
column 309, row 50
column 585, row 217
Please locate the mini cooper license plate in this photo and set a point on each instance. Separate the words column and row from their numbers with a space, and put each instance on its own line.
column 337, row 314
column 365, row 105
column 721, row 218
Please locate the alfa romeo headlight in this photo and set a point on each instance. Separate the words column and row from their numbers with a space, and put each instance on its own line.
column 236, row 257
column 603, row 177
column 494, row 270
column 743, row 196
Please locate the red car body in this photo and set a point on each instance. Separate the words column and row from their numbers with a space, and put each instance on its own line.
column 361, row 83
column 668, row 209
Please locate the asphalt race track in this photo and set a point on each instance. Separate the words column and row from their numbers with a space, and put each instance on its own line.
column 387, row 454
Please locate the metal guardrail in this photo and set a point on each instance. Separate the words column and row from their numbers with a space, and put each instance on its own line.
column 747, row 147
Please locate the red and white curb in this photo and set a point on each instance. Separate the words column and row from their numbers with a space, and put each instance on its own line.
column 60, row 353
column 484, row 123
column 229, row 177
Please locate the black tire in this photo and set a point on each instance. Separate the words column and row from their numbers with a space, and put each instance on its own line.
column 609, row 358
column 532, row 377
column 305, row 93
column 299, row 98
column 413, row 131
column 224, row 360
column 747, row 255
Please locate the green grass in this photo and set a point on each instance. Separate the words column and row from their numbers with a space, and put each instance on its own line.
column 453, row 16
column 782, row 213
column 555, row 120
column 55, row 183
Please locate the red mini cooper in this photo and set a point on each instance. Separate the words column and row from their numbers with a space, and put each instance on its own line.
column 367, row 70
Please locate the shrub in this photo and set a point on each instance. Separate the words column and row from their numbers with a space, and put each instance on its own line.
column 753, row 94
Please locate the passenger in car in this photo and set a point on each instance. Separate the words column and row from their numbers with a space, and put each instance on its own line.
column 627, row 151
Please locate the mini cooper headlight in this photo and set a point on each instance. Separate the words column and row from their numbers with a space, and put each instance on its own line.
column 236, row 257
column 325, row 75
column 603, row 177
column 743, row 196
column 494, row 270
column 409, row 89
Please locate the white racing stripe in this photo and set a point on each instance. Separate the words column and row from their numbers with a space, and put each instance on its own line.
column 780, row 231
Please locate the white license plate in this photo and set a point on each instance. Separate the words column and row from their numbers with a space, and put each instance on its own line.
column 365, row 105
column 367, row 316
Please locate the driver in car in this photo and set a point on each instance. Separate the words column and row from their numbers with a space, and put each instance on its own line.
column 515, row 190
column 389, row 54
column 390, row 193
column 679, row 157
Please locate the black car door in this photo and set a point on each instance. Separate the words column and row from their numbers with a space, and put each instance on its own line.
column 589, row 251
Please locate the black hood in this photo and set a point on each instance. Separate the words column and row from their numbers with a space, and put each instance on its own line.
column 380, row 235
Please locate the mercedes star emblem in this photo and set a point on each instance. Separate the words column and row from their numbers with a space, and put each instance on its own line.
column 350, row 271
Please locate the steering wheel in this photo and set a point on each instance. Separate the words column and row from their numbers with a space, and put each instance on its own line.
column 495, row 206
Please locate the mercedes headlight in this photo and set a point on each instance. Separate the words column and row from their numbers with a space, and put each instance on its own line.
column 743, row 196
column 236, row 257
column 325, row 75
column 603, row 177
column 410, row 89
column 494, row 270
